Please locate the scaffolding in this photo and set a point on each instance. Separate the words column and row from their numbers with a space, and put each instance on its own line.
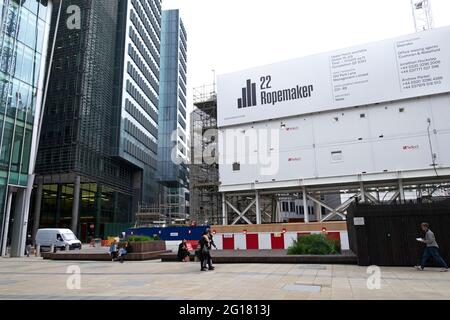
column 205, row 199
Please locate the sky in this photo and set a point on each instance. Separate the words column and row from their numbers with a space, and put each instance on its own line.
column 231, row 35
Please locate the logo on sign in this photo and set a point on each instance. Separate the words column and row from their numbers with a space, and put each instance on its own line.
column 270, row 96
column 248, row 96
column 407, row 148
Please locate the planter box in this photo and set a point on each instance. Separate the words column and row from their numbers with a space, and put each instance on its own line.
column 146, row 246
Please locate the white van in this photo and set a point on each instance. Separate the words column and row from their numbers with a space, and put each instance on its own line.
column 57, row 237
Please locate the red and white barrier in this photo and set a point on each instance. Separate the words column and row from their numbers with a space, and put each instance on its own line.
column 270, row 240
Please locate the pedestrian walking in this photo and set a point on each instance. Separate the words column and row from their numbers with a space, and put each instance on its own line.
column 431, row 249
column 205, row 256
column 212, row 244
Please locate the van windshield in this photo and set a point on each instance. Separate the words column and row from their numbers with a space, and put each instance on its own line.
column 69, row 236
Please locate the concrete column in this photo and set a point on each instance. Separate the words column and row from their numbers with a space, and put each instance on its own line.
column 258, row 208
column 401, row 190
column 305, row 206
column 19, row 226
column 224, row 210
column 76, row 204
column 6, row 223
column 37, row 209
column 318, row 211
column 98, row 210
column 58, row 205
column 363, row 194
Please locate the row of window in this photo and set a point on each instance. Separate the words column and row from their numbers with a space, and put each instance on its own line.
column 146, row 41
column 139, row 97
column 136, row 114
column 152, row 28
column 183, row 76
column 156, row 10
column 151, row 45
column 182, row 97
column 182, row 86
column 158, row 5
column 140, row 136
column 292, row 208
column 141, row 48
column 183, row 65
column 141, row 82
column 142, row 66
column 183, row 53
column 139, row 154
column 28, row 28
column 18, row 60
column 182, row 110
column 181, row 122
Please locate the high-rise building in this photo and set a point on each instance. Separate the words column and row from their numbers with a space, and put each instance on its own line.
column 24, row 33
column 137, row 91
column 173, row 138
column 97, row 155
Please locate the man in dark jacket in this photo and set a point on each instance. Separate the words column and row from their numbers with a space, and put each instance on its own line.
column 210, row 237
column 431, row 250
column 204, row 248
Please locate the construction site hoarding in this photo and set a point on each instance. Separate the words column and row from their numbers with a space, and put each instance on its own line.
column 390, row 70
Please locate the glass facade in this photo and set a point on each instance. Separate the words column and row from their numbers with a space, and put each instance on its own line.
column 24, row 30
column 173, row 175
column 76, row 139
column 101, row 119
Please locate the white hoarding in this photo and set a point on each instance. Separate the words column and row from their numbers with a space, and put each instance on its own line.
column 406, row 67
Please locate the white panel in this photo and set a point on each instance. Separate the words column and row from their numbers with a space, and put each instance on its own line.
column 264, row 241
column 344, row 241
column 388, row 121
column 172, row 245
column 289, row 238
column 356, row 158
column 402, row 154
column 440, row 107
column 341, row 127
column 443, row 141
column 240, row 241
column 390, row 136
column 218, row 240
column 406, row 67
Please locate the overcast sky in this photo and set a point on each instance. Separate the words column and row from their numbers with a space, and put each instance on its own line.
column 230, row 35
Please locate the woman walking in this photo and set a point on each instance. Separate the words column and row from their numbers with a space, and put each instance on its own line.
column 205, row 256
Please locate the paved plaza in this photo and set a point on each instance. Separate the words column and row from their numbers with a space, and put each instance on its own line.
column 34, row 278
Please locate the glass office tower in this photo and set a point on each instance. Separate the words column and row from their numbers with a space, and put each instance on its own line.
column 97, row 155
column 24, row 32
column 173, row 140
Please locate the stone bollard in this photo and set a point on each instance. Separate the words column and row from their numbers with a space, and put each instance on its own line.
column 67, row 247
column 52, row 248
column 37, row 251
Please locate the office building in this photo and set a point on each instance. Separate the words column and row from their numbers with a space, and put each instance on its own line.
column 24, row 33
column 97, row 154
column 173, row 138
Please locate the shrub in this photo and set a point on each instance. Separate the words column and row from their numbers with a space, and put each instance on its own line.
column 138, row 238
column 314, row 244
